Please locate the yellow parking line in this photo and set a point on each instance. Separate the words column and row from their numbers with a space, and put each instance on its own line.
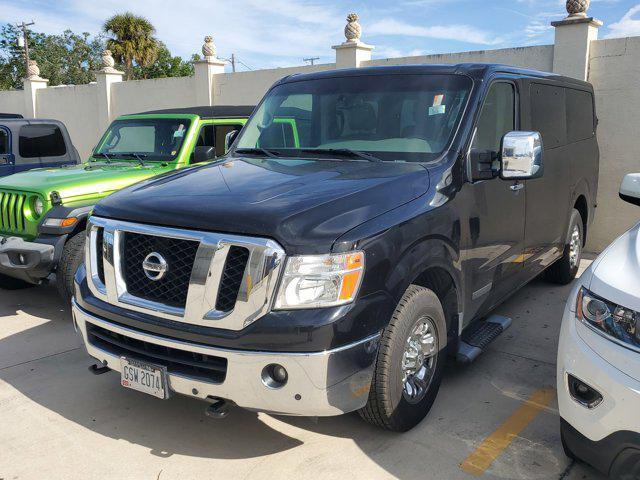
column 494, row 444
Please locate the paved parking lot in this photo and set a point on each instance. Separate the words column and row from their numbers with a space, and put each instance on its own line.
column 59, row 421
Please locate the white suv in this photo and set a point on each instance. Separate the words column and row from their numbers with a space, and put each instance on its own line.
column 599, row 357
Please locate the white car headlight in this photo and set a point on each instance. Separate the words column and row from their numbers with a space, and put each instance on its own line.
column 611, row 319
column 314, row 281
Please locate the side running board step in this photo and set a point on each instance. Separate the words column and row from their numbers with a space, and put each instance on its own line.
column 476, row 338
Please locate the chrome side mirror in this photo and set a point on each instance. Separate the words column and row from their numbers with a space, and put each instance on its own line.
column 630, row 188
column 229, row 138
column 521, row 156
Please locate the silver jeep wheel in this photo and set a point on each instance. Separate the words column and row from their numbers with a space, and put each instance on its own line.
column 419, row 360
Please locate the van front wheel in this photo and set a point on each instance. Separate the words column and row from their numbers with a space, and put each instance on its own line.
column 72, row 257
column 409, row 365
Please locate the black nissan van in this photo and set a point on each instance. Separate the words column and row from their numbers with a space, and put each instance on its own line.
column 362, row 227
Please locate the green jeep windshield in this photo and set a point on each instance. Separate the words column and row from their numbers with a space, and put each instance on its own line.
column 392, row 117
column 154, row 139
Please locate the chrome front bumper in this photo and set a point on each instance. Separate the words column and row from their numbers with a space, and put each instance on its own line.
column 319, row 384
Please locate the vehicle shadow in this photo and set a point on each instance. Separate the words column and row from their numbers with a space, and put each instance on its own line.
column 60, row 383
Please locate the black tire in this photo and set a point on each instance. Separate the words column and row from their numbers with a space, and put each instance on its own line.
column 565, row 447
column 72, row 257
column 387, row 406
column 10, row 283
column 564, row 270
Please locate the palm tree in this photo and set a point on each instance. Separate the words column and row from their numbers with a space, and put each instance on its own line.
column 131, row 39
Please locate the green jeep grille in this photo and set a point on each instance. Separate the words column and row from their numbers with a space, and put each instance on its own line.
column 12, row 217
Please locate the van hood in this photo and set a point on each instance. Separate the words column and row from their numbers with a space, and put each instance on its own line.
column 304, row 204
column 78, row 180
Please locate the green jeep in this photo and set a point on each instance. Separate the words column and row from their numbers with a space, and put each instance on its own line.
column 43, row 212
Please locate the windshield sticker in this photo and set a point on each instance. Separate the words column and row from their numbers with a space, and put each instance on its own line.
column 437, row 110
column 438, row 99
column 179, row 133
column 173, row 152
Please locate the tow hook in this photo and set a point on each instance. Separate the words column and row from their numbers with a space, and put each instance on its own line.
column 218, row 409
column 99, row 368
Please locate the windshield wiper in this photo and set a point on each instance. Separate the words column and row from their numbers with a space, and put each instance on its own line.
column 102, row 155
column 344, row 152
column 264, row 151
column 137, row 156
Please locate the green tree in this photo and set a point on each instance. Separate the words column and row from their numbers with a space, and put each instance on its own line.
column 68, row 59
column 165, row 66
column 131, row 41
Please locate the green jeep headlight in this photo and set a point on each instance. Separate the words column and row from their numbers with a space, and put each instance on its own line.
column 38, row 206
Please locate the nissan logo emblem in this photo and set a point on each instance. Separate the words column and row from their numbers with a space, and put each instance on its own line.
column 155, row 266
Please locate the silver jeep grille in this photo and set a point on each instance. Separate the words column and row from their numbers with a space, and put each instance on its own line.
column 217, row 280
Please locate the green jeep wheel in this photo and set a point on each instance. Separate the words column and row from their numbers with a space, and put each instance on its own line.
column 72, row 257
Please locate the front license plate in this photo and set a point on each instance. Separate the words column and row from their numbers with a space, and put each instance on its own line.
column 144, row 377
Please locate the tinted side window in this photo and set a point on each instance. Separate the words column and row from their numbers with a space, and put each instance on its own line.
column 498, row 117
column 42, row 140
column 549, row 114
column 580, row 118
column 206, row 137
column 4, row 142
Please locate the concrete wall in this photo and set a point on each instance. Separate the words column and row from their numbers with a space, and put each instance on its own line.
column 538, row 58
column 81, row 120
column 12, row 102
column 247, row 88
column 614, row 72
column 143, row 95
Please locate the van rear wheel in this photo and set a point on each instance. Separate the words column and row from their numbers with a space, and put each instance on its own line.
column 410, row 362
column 565, row 269
column 10, row 283
column 72, row 257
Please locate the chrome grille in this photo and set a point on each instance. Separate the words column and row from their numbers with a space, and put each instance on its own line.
column 212, row 279
column 12, row 212
column 180, row 254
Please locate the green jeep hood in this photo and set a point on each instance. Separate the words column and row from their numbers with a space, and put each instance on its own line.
column 81, row 181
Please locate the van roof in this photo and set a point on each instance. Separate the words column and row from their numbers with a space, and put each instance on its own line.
column 218, row 111
column 474, row 70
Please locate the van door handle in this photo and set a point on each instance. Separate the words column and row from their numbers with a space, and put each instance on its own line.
column 517, row 187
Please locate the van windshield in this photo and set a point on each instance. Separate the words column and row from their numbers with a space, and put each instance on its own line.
column 149, row 139
column 392, row 117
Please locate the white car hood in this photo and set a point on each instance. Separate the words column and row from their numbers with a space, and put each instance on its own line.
column 616, row 272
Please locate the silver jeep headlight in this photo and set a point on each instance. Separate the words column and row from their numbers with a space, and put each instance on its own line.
column 313, row 281
column 608, row 318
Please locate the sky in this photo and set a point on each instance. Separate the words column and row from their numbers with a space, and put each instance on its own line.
column 278, row 33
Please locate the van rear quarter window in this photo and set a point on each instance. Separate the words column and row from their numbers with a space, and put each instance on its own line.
column 561, row 115
column 41, row 140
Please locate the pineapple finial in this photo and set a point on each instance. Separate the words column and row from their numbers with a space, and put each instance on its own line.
column 353, row 30
column 577, row 8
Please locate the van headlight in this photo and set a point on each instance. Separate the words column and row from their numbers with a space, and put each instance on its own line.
column 314, row 281
column 38, row 206
column 609, row 318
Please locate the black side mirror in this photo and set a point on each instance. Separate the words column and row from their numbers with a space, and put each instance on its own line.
column 203, row 154
column 230, row 138
column 482, row 164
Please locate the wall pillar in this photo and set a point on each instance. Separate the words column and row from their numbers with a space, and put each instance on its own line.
column 573, row 40
column 106, row 77
column 205, row 71
column 31, row 85
column 353, row 52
